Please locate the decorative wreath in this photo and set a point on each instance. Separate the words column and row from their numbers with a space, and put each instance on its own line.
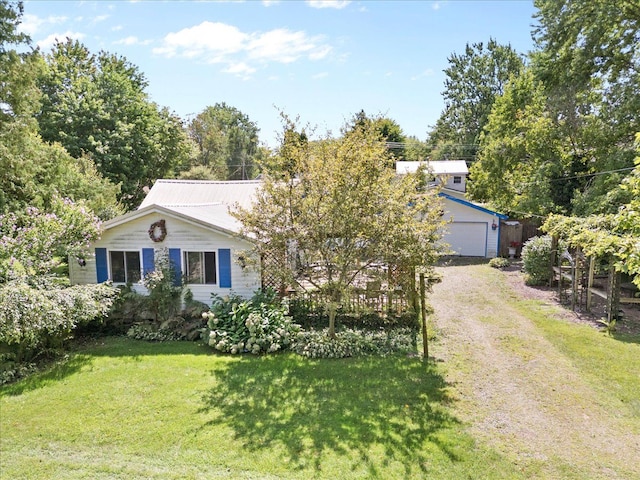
column 153, row 231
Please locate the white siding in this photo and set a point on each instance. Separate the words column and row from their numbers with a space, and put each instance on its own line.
column 471, row 232
column 450, row 183
column 133, row 236
column 82, row 275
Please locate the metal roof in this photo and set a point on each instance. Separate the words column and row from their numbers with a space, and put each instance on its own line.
column 192, row 193
column 437, row 167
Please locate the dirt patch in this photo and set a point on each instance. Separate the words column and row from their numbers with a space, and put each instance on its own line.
column 515, row 390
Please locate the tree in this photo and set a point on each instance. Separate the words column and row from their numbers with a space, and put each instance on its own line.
column 338, row 209
column 227, row 142
column 387, row 130
column 587, row 60
column 474, row 79
column 33, row 171
column 612, row 236
column 96, row 105
column 520, row 152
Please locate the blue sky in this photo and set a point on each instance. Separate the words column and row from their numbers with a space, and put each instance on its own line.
column 320, row 60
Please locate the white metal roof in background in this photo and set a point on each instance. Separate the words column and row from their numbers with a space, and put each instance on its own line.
column 437, row 167
column 200, row 193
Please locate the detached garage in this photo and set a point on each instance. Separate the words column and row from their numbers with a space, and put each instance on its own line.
column 474, row 231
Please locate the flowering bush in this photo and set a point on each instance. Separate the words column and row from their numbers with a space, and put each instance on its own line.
column 353, row 342
column 33, row 320
column 536, row 260
column 33, row 242
column 259, row 325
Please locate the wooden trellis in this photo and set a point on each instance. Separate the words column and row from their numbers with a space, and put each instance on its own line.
column 581, row 279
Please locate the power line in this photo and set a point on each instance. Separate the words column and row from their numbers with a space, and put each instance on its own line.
column 584, row 175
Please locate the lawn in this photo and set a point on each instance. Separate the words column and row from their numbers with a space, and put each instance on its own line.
column 118, row 408
column 121, row 408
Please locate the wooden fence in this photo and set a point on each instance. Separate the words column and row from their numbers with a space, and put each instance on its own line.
column 360, row 301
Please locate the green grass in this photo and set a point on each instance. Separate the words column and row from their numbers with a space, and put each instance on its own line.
column 611, row 364
column 128, row 409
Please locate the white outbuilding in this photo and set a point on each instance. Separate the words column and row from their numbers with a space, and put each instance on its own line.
column 473, row 230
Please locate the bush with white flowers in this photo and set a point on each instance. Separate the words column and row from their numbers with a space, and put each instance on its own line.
column 354, row 342
column 259, row 325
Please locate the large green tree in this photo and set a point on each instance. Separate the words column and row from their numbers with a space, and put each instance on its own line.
column 587, row 59
column 388, row 130
column 34, row 171
column 96, row 105
column 227, row 142
column 560, row 138
column 473, row 80
column 337, row 209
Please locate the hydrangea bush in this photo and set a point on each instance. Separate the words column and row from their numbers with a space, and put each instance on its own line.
column 259, row 325
column 354, row 342
column 536, row 260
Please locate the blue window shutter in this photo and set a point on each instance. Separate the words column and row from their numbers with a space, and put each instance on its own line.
column 174, row 258
column 102, row 270
column 148, row 261
column 224, row 264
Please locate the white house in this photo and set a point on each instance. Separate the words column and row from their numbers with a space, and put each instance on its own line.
column 191, row 220
column 451, row 173
column 473, row 231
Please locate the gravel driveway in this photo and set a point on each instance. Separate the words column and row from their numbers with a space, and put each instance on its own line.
column 516, row 390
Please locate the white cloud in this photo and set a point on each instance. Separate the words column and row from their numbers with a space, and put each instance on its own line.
column 31, row 23
column 268, row 3
column 99, row 18
column 48, row 42
column 130, row 40
column 240, row 51
column 117, row 28
column 206, row 38
column 240, row 69
column 320, row 75
column 337, row 4
column 283, row 46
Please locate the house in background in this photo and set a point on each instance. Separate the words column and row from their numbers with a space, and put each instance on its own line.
column 191, row 220
column 473, row 231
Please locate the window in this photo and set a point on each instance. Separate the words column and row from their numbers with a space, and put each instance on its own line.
column 200, row 267
column 457, row 179
column 125, row 267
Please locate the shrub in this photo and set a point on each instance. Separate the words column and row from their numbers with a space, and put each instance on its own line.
column 37, row 320
column 164, row 297
column 353, row 342
column 536, row 259
column 152, row 334
column 259, row 325
column 499, row 262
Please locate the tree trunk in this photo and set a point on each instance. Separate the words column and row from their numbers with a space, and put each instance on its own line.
column 333, row 309
column 423, row 314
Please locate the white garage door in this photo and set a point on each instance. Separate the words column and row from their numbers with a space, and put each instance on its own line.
column 468, row 239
